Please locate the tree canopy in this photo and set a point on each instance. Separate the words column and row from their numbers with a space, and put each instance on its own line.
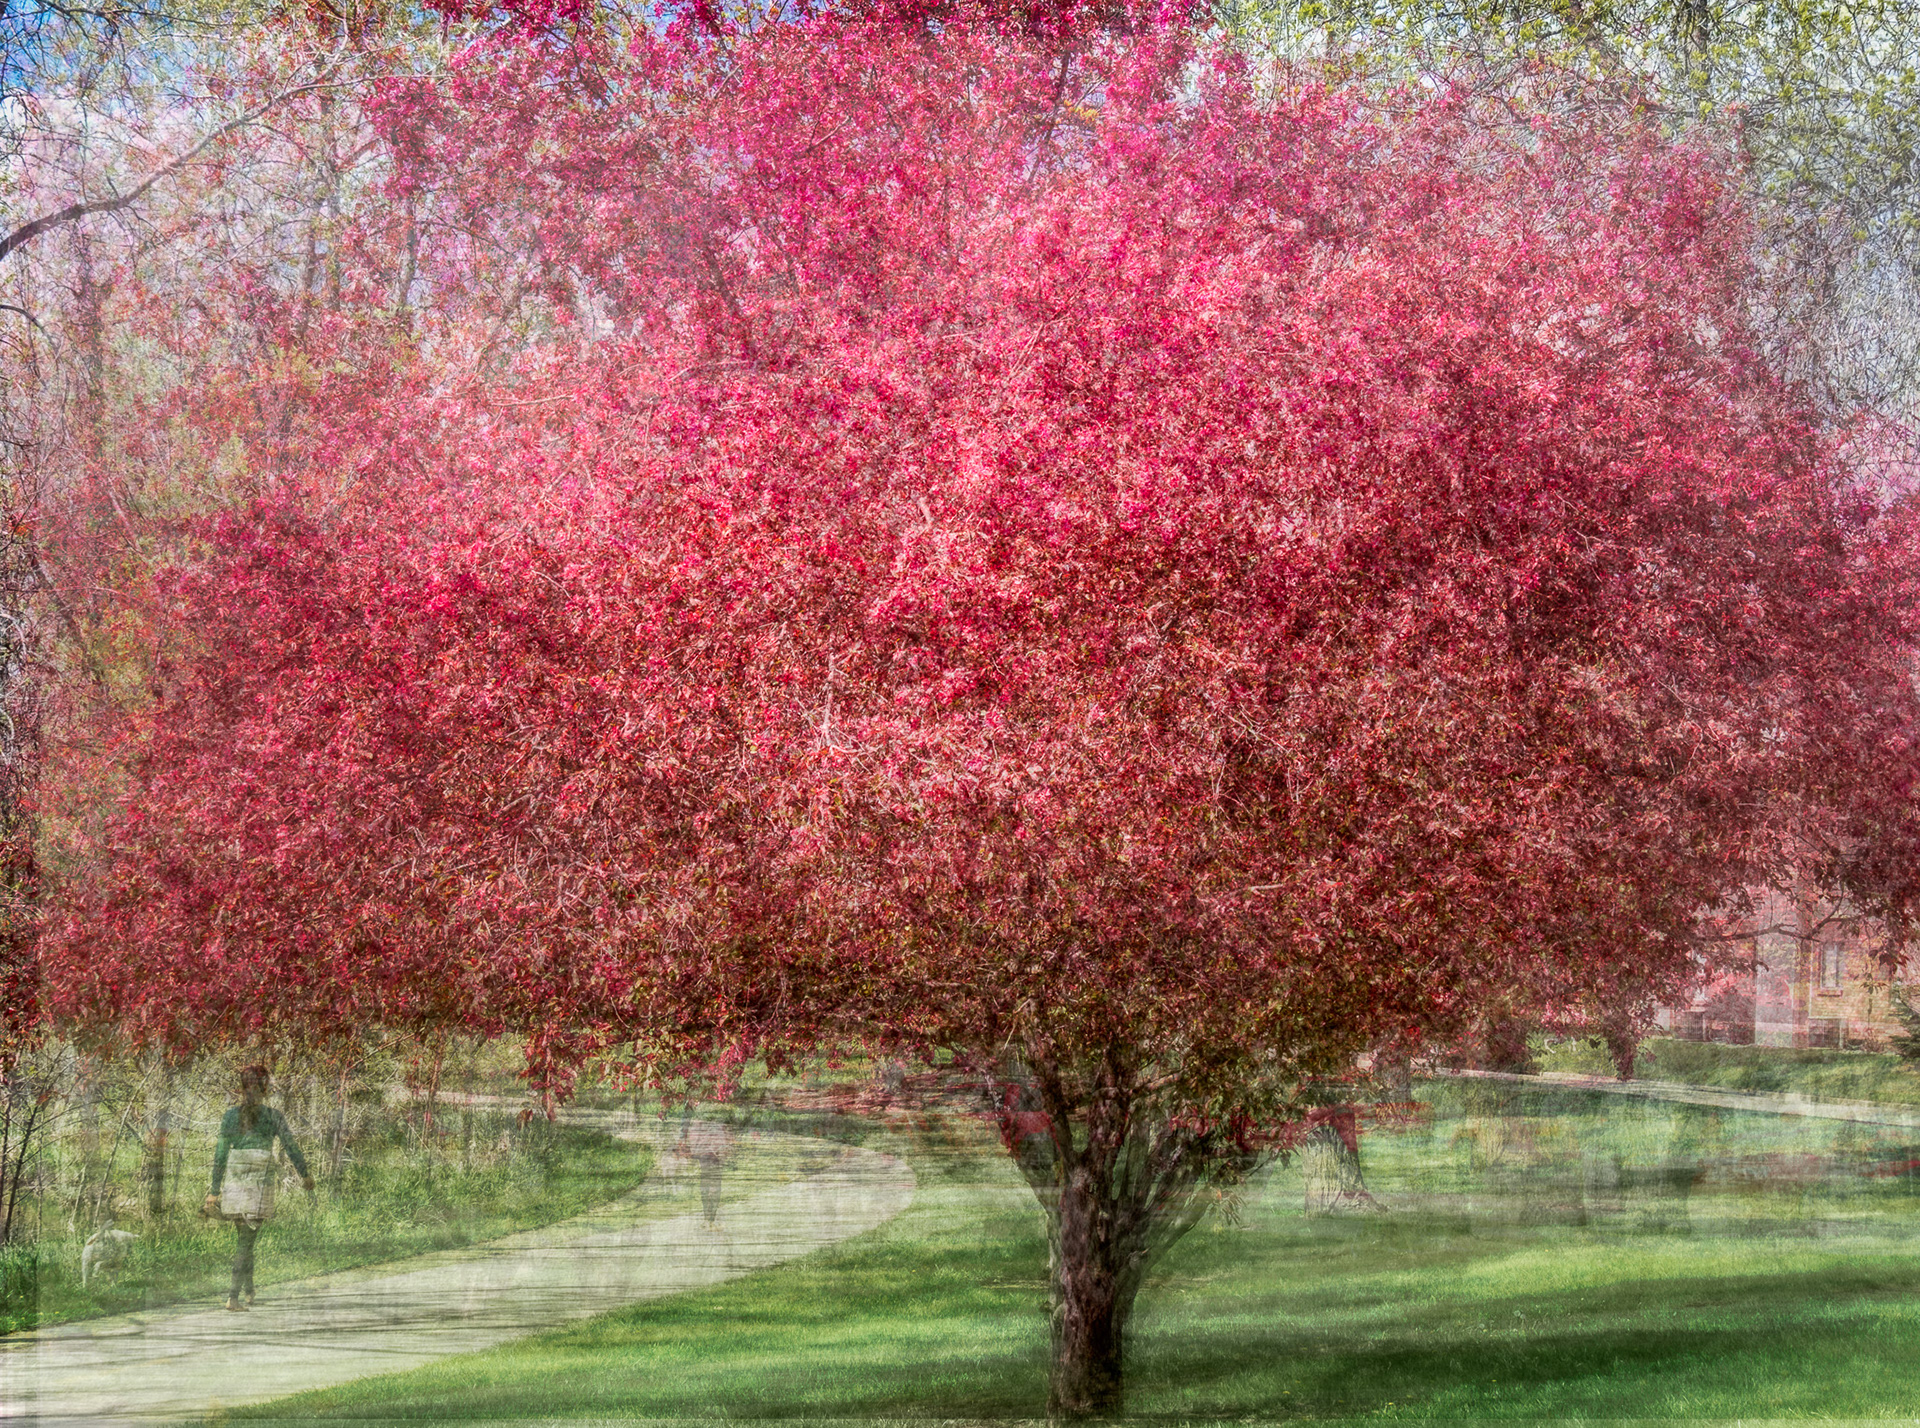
column 1048, row 555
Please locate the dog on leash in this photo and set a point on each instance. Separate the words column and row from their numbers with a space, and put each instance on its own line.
column 104, row 1252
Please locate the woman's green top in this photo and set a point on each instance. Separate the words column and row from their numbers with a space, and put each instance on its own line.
column 267, row 1125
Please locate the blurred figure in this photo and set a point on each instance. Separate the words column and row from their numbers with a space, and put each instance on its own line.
column 707, row 1144
column 243, row 1174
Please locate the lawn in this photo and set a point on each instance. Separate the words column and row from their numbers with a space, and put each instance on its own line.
column 1825, row 1073
column 397, row 1195
column 1549, row 1254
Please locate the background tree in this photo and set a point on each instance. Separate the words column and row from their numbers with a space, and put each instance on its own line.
column 1818, row 103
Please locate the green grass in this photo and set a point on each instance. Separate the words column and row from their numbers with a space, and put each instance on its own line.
column 1525, row 1273
column 394, row 1199
column 1822, row 1073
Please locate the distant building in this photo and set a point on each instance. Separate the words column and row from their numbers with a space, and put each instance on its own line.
column 1815, row 982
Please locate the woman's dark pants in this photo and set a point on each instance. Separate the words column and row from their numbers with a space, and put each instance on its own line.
column 243, row 1258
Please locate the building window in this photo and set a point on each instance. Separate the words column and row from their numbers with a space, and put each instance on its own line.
column 1832, row 965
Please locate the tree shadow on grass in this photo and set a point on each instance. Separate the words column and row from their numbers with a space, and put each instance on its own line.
column 1768, row 1345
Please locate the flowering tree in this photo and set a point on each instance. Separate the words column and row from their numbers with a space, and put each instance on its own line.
column 1018, row 550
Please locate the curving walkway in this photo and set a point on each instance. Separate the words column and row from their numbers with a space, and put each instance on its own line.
column 140, row 1369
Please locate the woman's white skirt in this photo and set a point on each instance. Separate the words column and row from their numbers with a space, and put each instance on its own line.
column 247, row 1191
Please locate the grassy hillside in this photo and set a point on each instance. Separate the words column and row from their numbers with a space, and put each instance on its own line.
column 1827, row 1074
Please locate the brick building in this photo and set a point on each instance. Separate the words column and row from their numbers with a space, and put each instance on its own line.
column 1815, row 982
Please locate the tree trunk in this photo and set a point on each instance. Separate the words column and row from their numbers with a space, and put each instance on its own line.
column 153, row 1161
column 153, row 1165
column 88, row 1074
column 337, row 1142
column 1119, row 1184
column 1092, row 1297
column 1393, row 1077
column 1503, row 1046
column 22, row 1118
column 1624, row 1047
column 1330, row 1167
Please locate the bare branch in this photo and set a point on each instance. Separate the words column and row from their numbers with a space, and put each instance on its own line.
column 73, row 212
column 9, row 307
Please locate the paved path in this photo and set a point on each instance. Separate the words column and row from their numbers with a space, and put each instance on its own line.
column 139, row 1369
column 1779, row 1104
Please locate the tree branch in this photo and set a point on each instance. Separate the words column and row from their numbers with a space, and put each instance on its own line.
column 9, row 307
column 73, row 212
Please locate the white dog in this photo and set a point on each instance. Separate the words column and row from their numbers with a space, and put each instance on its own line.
column 105, row 1251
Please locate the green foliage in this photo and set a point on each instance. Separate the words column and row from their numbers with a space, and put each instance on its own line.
column 1906, row 1047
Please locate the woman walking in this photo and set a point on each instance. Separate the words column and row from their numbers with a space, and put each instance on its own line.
column 707, row 1143
column 243, row 1174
